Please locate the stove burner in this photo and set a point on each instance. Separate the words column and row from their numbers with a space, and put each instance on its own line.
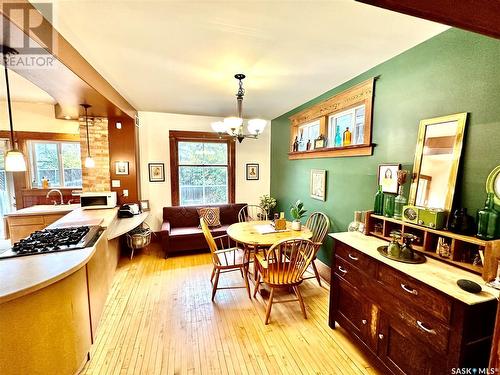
column 53, row 240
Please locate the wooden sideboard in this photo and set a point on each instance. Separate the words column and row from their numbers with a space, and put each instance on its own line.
column 405, row 325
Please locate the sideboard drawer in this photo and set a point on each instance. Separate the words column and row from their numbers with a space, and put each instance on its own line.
column 357, row 259
column 351, row 274
column 415, row 292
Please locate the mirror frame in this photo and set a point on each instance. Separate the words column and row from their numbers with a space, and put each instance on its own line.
column 460, row 119
column 490, row 184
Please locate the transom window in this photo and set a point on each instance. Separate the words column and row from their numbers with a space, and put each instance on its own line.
column 203, row 172
column 58, row 161
column 308, row 133
column 351, row 120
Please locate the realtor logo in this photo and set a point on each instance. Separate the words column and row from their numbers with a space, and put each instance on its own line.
column 27, row 28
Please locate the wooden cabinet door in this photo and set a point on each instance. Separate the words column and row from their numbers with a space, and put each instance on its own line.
column 351, row 310
column 402, row 353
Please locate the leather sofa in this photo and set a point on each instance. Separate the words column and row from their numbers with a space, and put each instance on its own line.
column 180, row 229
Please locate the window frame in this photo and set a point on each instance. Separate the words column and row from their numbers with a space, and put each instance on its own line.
column 177, row 136
column 331, row 128
column 32, row 169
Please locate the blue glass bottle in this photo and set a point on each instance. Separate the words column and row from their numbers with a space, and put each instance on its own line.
column 338, row 137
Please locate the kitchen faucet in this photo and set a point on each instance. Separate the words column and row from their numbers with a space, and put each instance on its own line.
column 55, row 191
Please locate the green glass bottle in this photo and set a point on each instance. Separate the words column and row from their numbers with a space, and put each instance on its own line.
column 487, row 220
column 399, row 202
column 378, row 207
column 389, row 205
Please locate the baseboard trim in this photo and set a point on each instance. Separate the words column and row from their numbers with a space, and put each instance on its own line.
column 324, row 270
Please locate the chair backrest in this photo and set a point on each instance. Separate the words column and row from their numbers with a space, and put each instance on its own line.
column 251, row 213
column 318, row 223
column 287, row 260
column 210, row 240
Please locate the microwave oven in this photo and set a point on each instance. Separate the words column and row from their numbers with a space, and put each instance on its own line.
column 98, row 200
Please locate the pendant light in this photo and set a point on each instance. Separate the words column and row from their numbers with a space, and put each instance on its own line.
column 14, row 159
column 89, row 161
column 234, row 125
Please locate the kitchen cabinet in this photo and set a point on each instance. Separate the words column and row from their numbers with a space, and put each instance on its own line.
column 405, row 325
column 22, row 226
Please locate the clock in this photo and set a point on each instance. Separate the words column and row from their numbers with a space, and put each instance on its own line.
column 410, row 214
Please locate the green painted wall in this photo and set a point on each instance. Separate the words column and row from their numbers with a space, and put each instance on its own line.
column 455, row 71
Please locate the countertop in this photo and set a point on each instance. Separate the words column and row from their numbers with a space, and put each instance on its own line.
column 25, row 275
column 44, row 209
column 438, row 275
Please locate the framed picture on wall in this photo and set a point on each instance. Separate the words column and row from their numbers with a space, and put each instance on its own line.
column 156, row 172
column 317, row 184
column 387, row 176
column 252, row 170
column 121, row 167
column 144, row 203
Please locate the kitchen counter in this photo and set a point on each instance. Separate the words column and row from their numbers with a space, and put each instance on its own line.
column 438, row 275
column 44, row 209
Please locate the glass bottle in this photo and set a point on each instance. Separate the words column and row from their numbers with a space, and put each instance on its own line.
column 407, row 249
column 346, row 141
column 389, row 205
column 356, row 225
column 399, row 202
column 378, row 208
column 338, row 137
column 295, row 146
column 487, row 220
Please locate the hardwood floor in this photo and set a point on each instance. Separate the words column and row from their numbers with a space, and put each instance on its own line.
column 159, row 319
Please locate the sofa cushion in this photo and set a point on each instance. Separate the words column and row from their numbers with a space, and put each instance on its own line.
column 187, row 216
column 189, row 231
column 211, row 215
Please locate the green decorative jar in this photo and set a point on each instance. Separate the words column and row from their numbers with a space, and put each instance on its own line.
column 488, row 220
column 378, row 207
column 394, row 249
column 389, row 200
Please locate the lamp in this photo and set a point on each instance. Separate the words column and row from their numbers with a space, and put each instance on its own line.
column 14, row 159
column 234, row 125
column 89, row 161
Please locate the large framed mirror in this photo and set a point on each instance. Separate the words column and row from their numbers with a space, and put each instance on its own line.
column 437, row 158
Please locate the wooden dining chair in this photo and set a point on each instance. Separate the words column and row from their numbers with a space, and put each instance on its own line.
column 318, row 223
column 225, row 260
column 251, row 213
column 283, row 268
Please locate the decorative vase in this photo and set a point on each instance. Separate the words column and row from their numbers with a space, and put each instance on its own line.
column 399, row 202
column 487, row 220
column 394, row 249
column 378, row 207
column 389, row 205
column 296, row 225
column 407, row 249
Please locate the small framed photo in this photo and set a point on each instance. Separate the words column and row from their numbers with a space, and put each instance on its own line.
column 156, row 172
column 144, row 204
column 252, row 171
column 319, row 142
column 387, row 176
column 121, row 167
column 317, row 184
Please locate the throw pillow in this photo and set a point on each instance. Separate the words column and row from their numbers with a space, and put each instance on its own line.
column 211, row 215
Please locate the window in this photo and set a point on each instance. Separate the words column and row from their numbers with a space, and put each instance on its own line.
column 202, row 168
column 352, row 120
column 59, row 162
column 308, row 132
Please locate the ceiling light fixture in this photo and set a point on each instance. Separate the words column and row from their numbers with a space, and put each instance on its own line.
column 234, row 125
column 14, row 159
column 89, row 161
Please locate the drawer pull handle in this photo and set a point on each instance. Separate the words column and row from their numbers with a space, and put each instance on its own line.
column 407, row 289
column 364, row 321
column 380, row 336
column 353, row 257
column 424, row 328
column 341, row 269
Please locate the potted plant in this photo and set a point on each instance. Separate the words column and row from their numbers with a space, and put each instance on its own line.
column 267, row 203
column 297, row 211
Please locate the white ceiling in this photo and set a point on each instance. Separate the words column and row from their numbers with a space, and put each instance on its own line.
column 181, row 56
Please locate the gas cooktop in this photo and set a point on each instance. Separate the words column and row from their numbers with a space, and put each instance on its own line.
column 54, row 240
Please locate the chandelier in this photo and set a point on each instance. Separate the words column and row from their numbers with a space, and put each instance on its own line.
column 234, row 125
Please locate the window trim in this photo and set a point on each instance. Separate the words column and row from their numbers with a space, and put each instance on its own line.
column 177, row 136
column 30, row 143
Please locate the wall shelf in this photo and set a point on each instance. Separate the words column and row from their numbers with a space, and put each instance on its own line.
column 462, row 248
column 332, row 152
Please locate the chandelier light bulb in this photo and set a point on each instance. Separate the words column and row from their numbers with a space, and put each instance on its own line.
column 219, row 127
column 233, row 125
column 256, row 126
